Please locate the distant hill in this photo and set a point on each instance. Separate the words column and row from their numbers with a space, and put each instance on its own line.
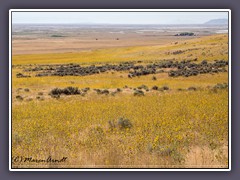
column 217, row 21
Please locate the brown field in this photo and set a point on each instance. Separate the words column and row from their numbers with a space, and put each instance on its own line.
column 61, row 45
column 78, row 40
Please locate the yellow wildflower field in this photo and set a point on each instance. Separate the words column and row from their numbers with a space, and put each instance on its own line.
column 182, row 125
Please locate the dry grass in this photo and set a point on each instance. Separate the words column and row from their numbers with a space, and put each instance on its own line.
column 205, row 157
column 75, row 42
column 209, row 48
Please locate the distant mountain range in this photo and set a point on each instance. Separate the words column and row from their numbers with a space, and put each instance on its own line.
column 217, row 21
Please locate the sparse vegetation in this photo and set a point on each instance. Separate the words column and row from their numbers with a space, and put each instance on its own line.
column 40, row 93
column 185, row 34
column 57, row 35
column 20, row 75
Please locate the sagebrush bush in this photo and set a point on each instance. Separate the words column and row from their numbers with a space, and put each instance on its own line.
column 26, row 90
column 154, row 88
column 67, row 91
column 71, row 90
column 18, row 97
column 121, row 123
column 192, row 88
column 119, row 90
column 138, row 93
column 56, row 91
column 165, row 88
column 221, row 86
column 124, row 123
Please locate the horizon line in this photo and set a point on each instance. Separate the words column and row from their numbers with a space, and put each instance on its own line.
column 118, row 23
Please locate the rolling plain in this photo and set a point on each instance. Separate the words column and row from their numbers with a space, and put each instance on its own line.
column 120, row 97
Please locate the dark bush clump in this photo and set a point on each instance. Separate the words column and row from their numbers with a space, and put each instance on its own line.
column 20, row 98
column 105, row 91
column 165, row 88
column 154, row 88
column 154, row 78
column 20, row 75
column 67, row 91
column 57, row 35
column 138, row 93
column 99, row 91
column 26, row 90
column 71, row 90
column 192, row 88
column 119, row 90
column 56, row 91
column 185, row 34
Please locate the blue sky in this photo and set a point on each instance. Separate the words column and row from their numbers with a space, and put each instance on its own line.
column 117, row 17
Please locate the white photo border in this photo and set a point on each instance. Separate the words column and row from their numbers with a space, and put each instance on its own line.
column 119, row 169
